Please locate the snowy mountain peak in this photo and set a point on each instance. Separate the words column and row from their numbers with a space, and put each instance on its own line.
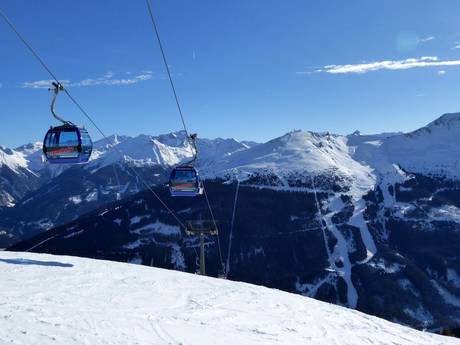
column 105, row 144
column 6, row 150
column 299, row 153
column 446, row 119
column 12, row 159
column 30, row 148
column 164, row 150
column 173, row 139
column 447, row 124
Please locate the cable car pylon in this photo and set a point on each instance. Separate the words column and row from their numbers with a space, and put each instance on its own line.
column 201, row 228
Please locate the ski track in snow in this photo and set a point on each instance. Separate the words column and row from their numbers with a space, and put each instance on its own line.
column 48, row 299
column 341, row 249
column 357, row 219
column 340, row 252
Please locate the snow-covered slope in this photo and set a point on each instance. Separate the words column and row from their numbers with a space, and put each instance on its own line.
column 32, row 153
column 164, row 150
column 433, row 149
column 299, row 152
column 68, row 191
column 12, row 159
column 15, row 177
column 48, row 299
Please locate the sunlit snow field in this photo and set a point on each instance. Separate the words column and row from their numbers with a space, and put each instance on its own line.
column 47, row 299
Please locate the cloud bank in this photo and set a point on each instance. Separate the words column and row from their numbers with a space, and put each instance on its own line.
column 107, row 79
column 426, row 61
column 426, row 39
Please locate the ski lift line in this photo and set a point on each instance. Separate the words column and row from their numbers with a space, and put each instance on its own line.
column 320, row 219
column 118, row 182
column 165, row 61
column 215, row 227
column 179, row 108
column 31, row 49
column 190, row 138
column 232, row 225
column 85, row 113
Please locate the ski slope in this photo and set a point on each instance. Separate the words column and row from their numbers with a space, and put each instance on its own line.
column 47, row 299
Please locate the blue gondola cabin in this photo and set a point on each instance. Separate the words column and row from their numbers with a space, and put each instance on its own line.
column 67, row 144
column 185, row 181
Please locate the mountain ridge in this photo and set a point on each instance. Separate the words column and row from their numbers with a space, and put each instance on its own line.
column 318, row 214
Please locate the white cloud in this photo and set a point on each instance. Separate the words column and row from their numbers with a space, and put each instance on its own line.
column 425, row 61
column 441, row 72
column 456, row 47
column 42, row 84
column 107, row 79
column 426, row 39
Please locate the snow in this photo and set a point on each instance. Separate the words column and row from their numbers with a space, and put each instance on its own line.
column 446, row 295
column 340, row 254
column 420, row 314
column 165, row 150
column 158, row 228
column 357, row 219
column 73, row 234
column 362, row 158
column 306, row 153
column 93, row 196
column 431, row 149
column 408, row 286
column 76, row 199
column 12, row 159
column 137, row 219
column 391, row 268
column 69, row 300
column 32, row 153
column 446, row 213
column 453, row 277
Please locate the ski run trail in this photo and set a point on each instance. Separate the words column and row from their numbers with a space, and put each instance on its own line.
column 48, row 299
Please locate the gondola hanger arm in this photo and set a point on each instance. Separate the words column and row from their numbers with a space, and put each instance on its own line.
column 56, row 88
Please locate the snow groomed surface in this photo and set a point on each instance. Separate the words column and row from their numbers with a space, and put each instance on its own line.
column 47, row 299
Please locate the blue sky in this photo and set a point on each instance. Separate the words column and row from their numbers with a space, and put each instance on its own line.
column 245, row 69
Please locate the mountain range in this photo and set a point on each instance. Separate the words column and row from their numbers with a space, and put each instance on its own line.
column 366, row 221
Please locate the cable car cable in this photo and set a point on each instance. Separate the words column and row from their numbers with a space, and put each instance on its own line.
column 44, row 65
column 179, row 108
column 232, row 226
column 216, row 228
column 157, row 34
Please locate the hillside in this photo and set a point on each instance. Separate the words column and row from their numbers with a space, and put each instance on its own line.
column 354, row 162
column 69, row 300
column 365, row 221
column 16, row 179
column 60, row 194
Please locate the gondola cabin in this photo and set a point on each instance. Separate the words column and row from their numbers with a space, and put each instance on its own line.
column 67, row 144
column 185, row 181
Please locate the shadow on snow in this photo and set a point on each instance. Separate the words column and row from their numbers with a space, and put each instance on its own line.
column 35, row 262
